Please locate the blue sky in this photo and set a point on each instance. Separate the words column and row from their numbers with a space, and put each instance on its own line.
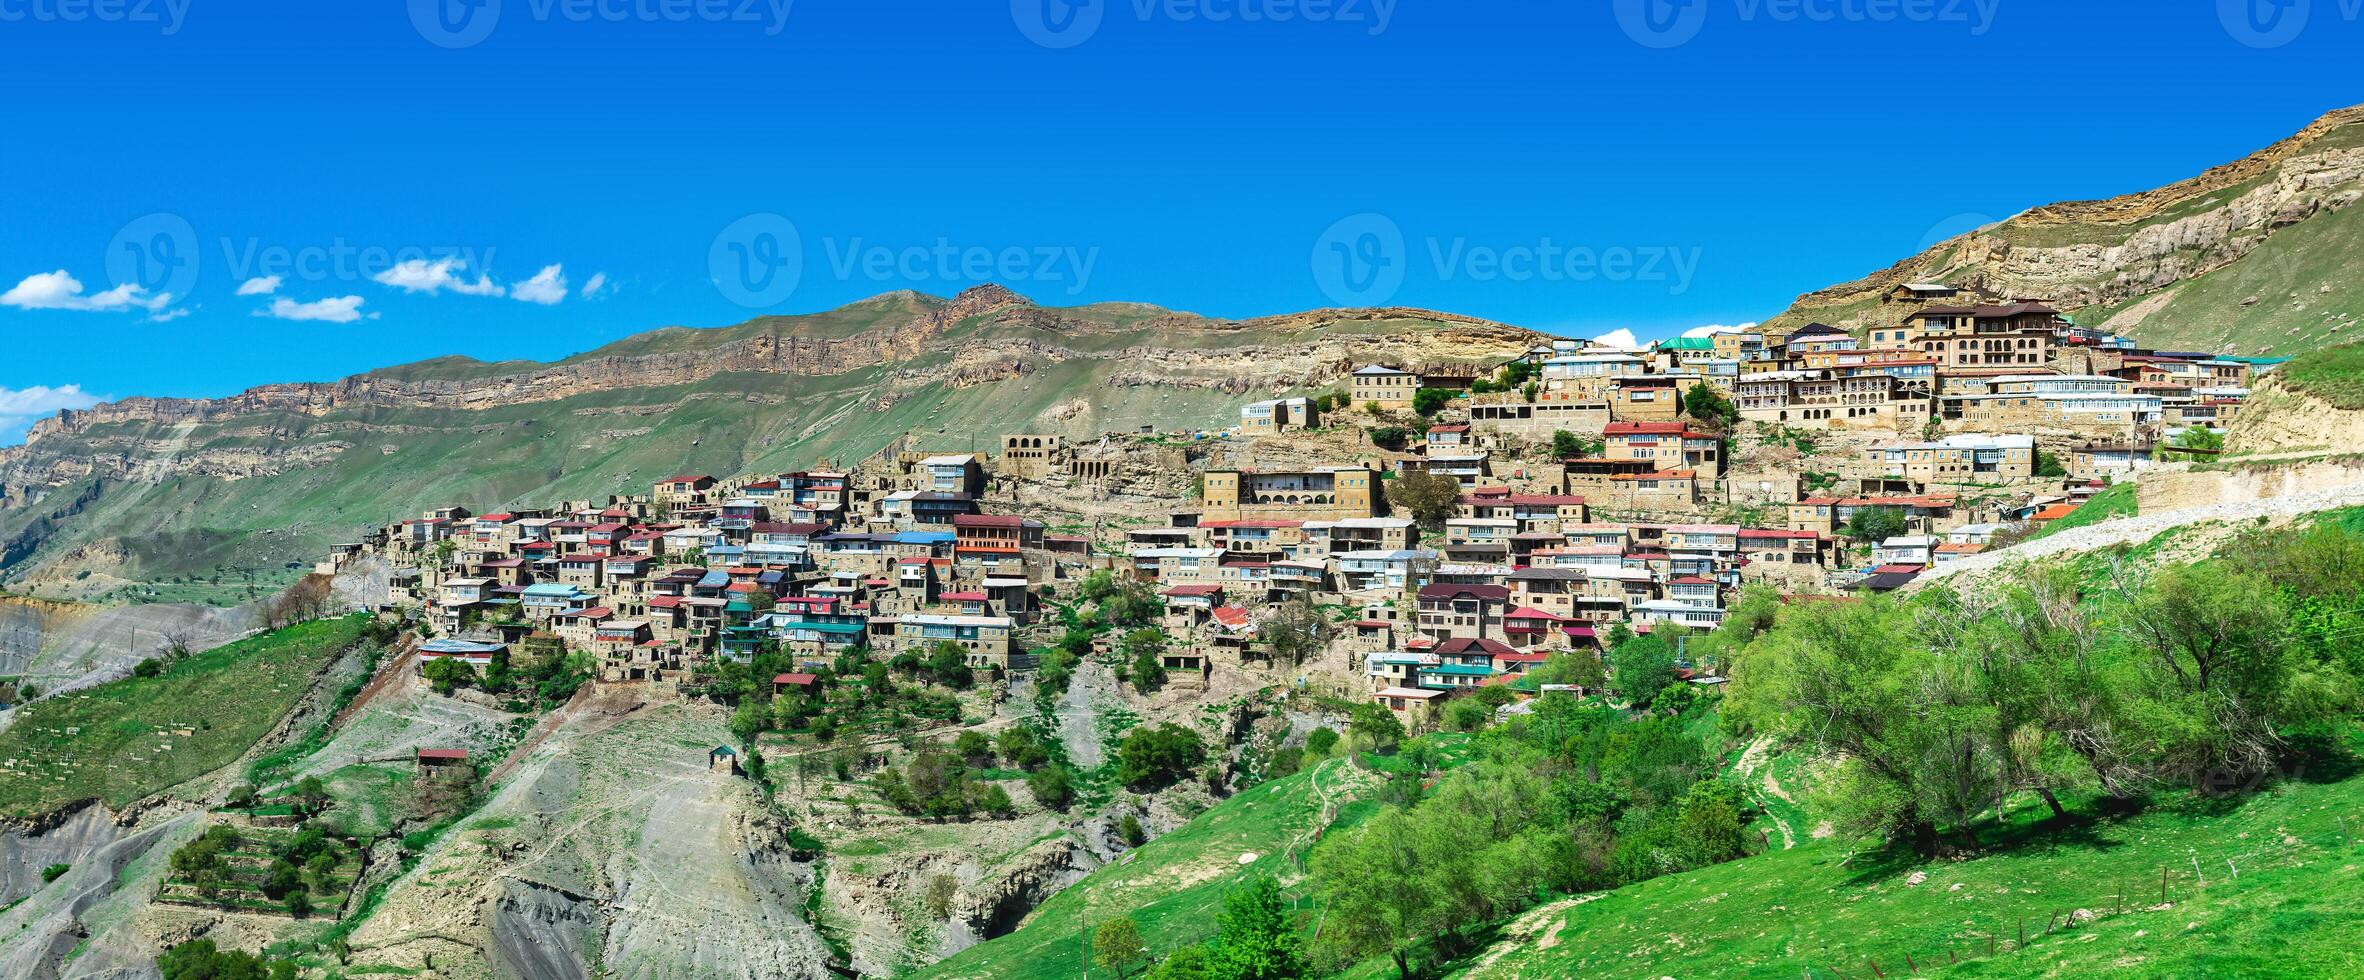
column 412, row 174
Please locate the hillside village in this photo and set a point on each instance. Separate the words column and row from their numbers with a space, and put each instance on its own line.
column 1406, row 534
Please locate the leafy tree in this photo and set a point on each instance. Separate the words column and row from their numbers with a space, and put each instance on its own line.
column 1875, row 524
column 2197, row 442
column 1187, row 963
column 1021, row 748
column 973, row 747
column 1375, row 727
column 1429, row 401
column 54, row 872
column 1051, row 787
column 1569, row 445
column 948, row 663
column 2048, row 465
column 1579, row 667
column 1116, row 945
column 1389, row 436
column 1295, row 631
column 147, row 668
column 1640, row 668
column 1705, row 403
column 1155, row 757
column 1320, row 742
column 1427, row 497
column 1130, row 831
column 200, row 959
column 1147, row 648
column 1256, row 939
column 448, row 674
column 1466, row 715
column 1378, row 891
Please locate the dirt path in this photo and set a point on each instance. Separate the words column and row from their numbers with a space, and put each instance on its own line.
column 1746, row 767
column 393, row 675
column 2144, row 527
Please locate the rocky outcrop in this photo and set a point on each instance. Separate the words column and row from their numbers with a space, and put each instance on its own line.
column 2093, row 253
column 2277, row 418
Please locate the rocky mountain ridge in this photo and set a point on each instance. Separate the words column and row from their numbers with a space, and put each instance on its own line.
column 2121, row 262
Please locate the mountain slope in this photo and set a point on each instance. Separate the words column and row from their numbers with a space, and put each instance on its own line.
column 2251, row 257
column 189, row 498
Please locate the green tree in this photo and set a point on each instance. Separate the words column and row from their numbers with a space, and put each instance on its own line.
column 1569, row 445
column 2048, row 465
column 1295, row 631
column 448, row 674
column 1579, row 667
column 1426, row 497
column 1155, row 757
column 1378, row 892
column 1872, row 525
column 1705, row 403
column 1256, row 941
column 1374, row 727
column 1051, row 787
column 1320, row 742
column 948, row 663
column 1116, row 945
column 1640, row 668
column 1187, row 963
column 1429, row 401
column 2196, row 442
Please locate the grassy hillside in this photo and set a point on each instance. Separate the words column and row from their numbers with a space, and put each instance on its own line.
column 125, row 740
column 1173, row 885
column 2333, row 374
column 1819, row 910
column 2299, row 290
column 2115, row 501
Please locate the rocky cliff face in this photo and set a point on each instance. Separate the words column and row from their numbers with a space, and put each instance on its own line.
column 2102, row 256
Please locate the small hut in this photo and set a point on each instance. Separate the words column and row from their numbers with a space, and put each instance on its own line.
column 724, row 758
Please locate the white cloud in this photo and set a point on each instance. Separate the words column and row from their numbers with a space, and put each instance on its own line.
column 335, row 309
column 1713, row 329
column 19, row 407
column 593, row 285
column 547, row 287
column 59, row 291
column 169, row 315
column 423, row 276
column 1620, row 337
column 259, row 286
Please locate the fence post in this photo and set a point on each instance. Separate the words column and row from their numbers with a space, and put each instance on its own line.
column 1910, row 965
column 2023, row 932
column 2162, row 884
column 1875, row 965
column 2197, row 873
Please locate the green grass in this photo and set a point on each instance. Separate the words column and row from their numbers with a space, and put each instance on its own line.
column 2117, row 500
column 109, row 741
column 2291, row 912
column 2333, row 374
column 1171, row 886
